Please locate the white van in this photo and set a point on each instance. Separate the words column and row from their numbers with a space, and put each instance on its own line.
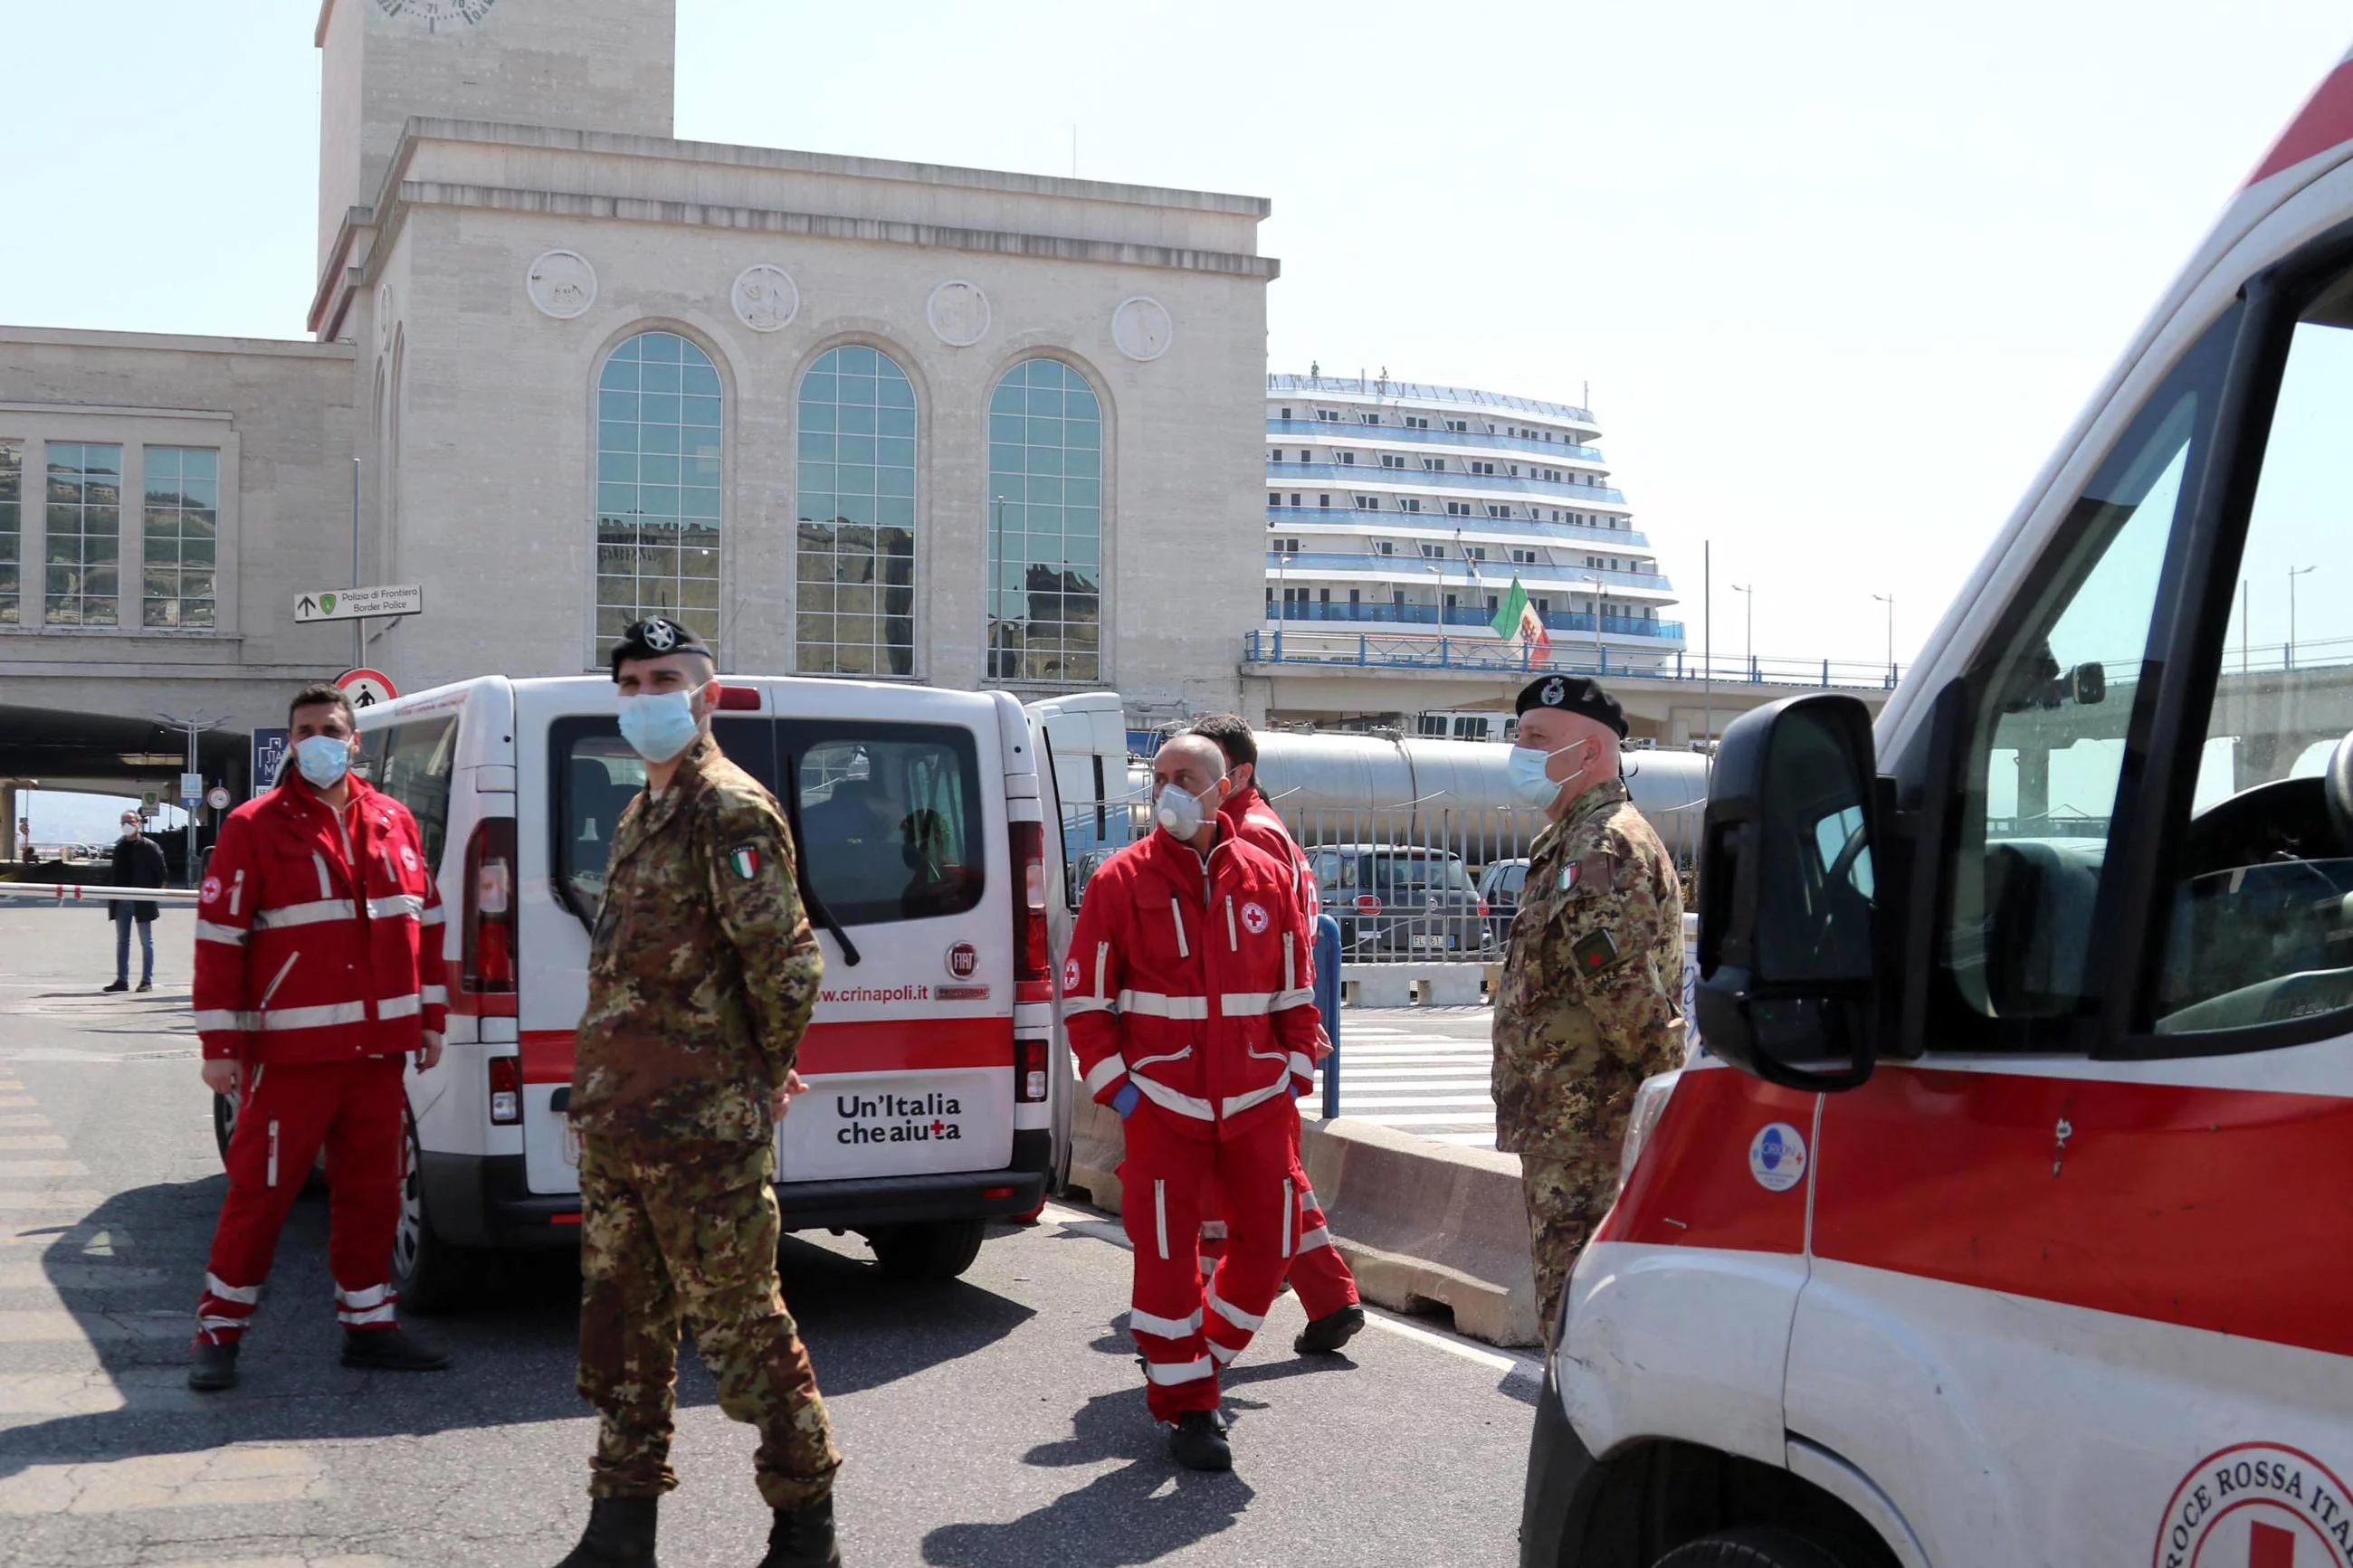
column 2008, row 1220
column 927, row 868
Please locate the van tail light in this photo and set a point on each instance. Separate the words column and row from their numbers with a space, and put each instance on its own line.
column 489, row 963
column 1032, row 964
column 1367, row 904
column 1029, row 1071
column 738, row 699
column 506, row 1090
column 1650, row 1104
column 1483, row 909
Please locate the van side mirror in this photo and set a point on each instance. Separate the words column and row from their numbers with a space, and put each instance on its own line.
column 1789, row 895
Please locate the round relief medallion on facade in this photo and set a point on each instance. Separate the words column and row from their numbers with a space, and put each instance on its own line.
column 958, row 312
column 561, row 284
column 766, row 298
column 1141, row 328
column 384, row 315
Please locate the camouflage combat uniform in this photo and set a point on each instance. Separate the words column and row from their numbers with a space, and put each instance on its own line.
column 1591, row 1005
column 700, row 981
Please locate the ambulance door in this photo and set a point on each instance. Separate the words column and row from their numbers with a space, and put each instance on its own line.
column 910, row 1054
column 2080, row 1261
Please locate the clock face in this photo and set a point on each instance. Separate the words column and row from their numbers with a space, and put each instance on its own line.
column 434, row 14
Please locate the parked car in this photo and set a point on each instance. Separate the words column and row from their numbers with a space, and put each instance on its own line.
column 1499, row 890
column 1398, row 900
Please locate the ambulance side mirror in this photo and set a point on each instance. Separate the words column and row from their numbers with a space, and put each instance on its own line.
column 1788, row 896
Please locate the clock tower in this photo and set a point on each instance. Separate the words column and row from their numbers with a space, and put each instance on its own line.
column 580, row 64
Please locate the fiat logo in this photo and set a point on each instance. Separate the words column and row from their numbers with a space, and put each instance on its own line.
column 964, row 960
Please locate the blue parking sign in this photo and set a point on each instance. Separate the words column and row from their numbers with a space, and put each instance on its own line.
column 268, row 754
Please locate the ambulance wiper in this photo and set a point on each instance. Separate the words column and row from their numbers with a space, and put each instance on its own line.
column 824, row 917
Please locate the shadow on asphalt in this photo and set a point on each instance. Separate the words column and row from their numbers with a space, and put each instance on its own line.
column 1138, row 1513
column 516, row 1347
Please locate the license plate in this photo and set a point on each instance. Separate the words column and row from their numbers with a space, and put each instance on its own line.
column 1428, row 939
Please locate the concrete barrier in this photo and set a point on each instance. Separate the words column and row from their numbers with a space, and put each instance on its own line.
column 1421, row 1223
column 1414, row 985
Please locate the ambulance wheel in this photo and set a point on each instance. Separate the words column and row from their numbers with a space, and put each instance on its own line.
column 939, row 1249
column 429, row 1274
column 1757, row 1547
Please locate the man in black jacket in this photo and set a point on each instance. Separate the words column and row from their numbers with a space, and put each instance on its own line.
column 138, row 863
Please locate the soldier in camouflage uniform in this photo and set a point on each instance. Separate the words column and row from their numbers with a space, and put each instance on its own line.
column 700, row 980
column 1591, row 1000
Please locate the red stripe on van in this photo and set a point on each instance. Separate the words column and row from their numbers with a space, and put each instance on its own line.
column 887, row 1045
column 2215, row 1209
column 2326, row 121
column 1692, row 1185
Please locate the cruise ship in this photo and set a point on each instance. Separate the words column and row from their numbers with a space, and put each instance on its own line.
column 1397, row 514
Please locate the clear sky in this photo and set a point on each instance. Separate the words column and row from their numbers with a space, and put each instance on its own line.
column 1837, row 275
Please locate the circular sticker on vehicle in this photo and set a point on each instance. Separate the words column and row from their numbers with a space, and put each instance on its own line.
column 1776, row 1157
column 2256, row 1505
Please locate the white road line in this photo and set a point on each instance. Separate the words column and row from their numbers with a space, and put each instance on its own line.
column 231, row 1477
column 12, row 1168
column 24, row 1119
column 77, row 1200
column 22, row 1141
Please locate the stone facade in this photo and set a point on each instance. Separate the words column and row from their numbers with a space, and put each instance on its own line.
column 471, row 406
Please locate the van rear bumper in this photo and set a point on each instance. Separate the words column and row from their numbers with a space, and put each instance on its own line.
column 478, row 1200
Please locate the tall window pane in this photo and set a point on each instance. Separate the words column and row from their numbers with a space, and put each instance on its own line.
column 12, row 534
column 182, row 527
column 855, row 608
column 1044, row 518
column 658, row 421
column 85, row 518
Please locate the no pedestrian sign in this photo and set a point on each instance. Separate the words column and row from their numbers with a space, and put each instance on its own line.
column 360, row 604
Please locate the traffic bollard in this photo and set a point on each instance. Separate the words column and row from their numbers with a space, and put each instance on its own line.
column 1327, row 1002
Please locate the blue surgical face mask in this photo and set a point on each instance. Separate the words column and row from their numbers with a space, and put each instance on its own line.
column 660, row 726
column 323, row 758
column 1529, row 780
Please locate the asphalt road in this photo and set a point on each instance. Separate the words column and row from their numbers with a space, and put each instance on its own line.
column 995, row 1421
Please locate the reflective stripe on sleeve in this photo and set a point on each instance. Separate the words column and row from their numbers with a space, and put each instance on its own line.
column 432, row 917
column 434, row 995
column 306, row 914
column 392, row 906
column 215, row 1021
column 1088, row 1005
column 1099, row 1077
column 228, row 936
column 1284, row 1001
column 1191, row 1370
column 399, row 1006
column 1144, row 1322
column 1301, row 1064
column 1247, row 1003
column 314, row 1017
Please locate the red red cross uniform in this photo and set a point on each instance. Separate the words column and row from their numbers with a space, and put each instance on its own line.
column 1318, row 1272
column 318, row 939
column 1190, row 981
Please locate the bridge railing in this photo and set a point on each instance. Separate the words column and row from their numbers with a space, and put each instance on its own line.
column 1483, row 651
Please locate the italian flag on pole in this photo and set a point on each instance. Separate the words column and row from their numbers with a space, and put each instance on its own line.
column 1516, row 621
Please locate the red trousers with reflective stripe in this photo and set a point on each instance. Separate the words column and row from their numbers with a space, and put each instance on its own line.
column 288, row 1110
column 1184, row 1331
column 1318, row 1272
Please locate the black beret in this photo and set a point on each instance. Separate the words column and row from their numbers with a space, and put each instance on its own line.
column 653, row 637
column 1574, row 694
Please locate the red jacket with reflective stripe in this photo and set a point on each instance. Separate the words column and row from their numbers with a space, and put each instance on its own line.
column 1192, row 983
column 317, row 939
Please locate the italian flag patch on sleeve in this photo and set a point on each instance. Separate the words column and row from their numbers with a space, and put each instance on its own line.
column 745, row 862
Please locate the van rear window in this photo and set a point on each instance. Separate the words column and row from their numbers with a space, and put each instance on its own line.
column 886, row 817
column 414, row 764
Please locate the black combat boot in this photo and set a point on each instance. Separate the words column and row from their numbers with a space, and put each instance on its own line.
column 1198, row 1442
column 1326, row 1335
column 620, row 1534
column 802, row 1537
column 390, row 1350
column 214, row 1367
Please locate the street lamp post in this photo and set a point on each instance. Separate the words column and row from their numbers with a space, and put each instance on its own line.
column 2293, row 573
column 195, row 724
column 1747, row 592
column 1889, row 600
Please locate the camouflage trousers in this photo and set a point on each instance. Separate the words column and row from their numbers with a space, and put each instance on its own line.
column 1567, row 1198
column 687, row 1231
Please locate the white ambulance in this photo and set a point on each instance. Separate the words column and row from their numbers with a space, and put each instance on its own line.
column 927, row 869
column 2010, row 1219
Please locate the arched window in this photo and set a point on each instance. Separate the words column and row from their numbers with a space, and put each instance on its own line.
column 658, row 513
column 854, row 611
column 1045, row 516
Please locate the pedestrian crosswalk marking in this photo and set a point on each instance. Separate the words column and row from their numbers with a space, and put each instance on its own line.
column 25, row 1118
column 77, row 1200
column 234, row 1476
column 22, row 1141
column 20, row 1168
column 14, row 1101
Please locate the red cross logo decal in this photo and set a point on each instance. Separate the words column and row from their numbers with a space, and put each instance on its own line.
column 938, row 1126
column 2269, row 1546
